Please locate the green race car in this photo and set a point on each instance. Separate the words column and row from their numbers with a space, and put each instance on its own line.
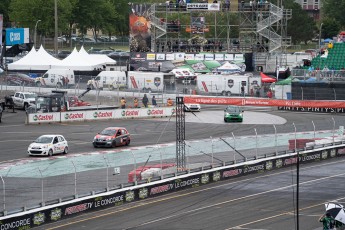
column 233, row 113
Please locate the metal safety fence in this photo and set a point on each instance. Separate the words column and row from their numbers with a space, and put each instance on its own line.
column 34, row 182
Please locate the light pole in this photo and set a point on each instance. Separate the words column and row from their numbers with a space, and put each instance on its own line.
column 35, row 33
column 320, row 45
column 56, row 28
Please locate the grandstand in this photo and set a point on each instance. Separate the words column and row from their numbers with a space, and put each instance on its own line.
column 334, row 60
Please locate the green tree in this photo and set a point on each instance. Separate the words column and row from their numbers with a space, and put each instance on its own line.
column 334, row 9
column 330, row 28
column 4, row 5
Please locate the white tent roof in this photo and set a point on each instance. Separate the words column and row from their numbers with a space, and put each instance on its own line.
column 39, row 60
column 100, row 59
column 75, row 61
column 227, row 66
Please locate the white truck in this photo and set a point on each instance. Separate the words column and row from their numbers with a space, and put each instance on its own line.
column 227, row 85
column 150, row 81
column 59, row 78
column 109, row 79
column 21, row 100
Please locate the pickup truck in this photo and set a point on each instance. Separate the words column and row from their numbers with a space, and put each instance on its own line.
column 21, row 100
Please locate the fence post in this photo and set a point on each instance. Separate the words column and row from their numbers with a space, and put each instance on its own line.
column 107, row 165
column 295, row 136
column 75, row 180
column 233, row 136
column 275, row 138
column 314, row 129
column 256, row 144
column 4, row 195
column 135, row 167
column 211, row 150
column 335, row 94
column 160, row 160
column 333, row 129
column 42, row 202
column 302, row 93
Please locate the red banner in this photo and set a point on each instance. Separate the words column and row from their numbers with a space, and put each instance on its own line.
column 264, row 102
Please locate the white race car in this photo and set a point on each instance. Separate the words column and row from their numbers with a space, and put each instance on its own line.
column 192, row 107
column 47, row 145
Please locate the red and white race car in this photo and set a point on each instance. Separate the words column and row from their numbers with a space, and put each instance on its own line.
column 112, row 137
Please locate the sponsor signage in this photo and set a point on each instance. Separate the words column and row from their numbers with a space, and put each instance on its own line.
column 311, row 109
column 160, row 57
column 209, row 57
column 179, row 56
column 219, row 57
column 170, row 57
column 203, row 6
column 16, row 36
column 151, row 56
column 199, row 57
column 189, row 56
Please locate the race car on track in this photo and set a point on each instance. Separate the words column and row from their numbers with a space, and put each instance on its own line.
column 233, row 113
column 192, row 107
column 48, row 145
column 112, row 137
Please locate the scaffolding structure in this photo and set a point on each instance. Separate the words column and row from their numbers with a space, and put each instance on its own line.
column 180, row 134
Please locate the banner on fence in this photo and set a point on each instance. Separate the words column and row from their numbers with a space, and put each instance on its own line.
column 264, row 102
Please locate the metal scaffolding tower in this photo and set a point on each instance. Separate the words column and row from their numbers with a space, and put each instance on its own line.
column 180, row 134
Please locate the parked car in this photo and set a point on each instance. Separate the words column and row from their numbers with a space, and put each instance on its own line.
column 112, row 137
column 87, row 41
column 116, row 55
column 94, row 51
column 18, row 79
column 48, row 145
column 233, row 113
column 63, row 54
column 106, row 52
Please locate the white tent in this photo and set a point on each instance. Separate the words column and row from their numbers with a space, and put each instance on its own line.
column 100, row 59
column 35, row 60
column 75, row 61
column 227, row 67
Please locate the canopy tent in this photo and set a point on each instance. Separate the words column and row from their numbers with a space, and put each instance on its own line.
column 75, row 61
column 286, row 81
column 227, row 67
column 266, row 79
column 35, row 60
column 98, row 59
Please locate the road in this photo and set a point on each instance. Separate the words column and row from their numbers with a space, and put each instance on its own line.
column 262, row 201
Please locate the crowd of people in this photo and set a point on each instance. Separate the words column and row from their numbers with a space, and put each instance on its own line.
column 189, row 47
column 145, row 102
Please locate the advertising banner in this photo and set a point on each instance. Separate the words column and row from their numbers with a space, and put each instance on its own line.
column 140, row 28
column 44, row 117
column 265, row 102
column 16, row 36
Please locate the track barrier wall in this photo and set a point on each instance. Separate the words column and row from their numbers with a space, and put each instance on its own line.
column 37, row 118
column 176, row 182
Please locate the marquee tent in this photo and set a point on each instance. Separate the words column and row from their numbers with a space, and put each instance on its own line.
column 267, row 79
column 77, row 62
column 99, row 59
column 227, row 67
column 35, row 60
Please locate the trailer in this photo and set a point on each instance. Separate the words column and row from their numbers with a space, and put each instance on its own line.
column 227, row 84
column 109, row 79
column 151, row 81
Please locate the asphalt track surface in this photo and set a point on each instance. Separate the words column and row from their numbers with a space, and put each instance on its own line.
column 257, row 202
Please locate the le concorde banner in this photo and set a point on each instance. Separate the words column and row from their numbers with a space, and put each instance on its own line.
column 265, row 102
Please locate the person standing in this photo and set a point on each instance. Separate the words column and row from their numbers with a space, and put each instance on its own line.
column 154, row 102
column 327, row 221
column 170, row 102
column 123, row 103
column 145, row 100
column 136, row 103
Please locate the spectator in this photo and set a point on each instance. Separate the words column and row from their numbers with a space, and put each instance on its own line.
column 123, row 103
column 170, row 102
column 269, row 94
column 327, row 221
column 145, row 100
column 135, row 103
column 242, row 91
column 154, row 102
column 227, row 5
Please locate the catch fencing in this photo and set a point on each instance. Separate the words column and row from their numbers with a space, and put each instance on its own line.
column 29, row 183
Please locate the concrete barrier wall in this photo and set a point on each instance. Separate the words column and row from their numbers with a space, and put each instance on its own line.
column 37, row 118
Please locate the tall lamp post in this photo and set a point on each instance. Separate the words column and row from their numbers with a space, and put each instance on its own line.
column 56, row 28
column 35, row 33
column 320, row 45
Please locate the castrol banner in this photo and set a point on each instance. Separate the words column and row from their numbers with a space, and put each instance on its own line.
column 264, row 102
column 88, row 115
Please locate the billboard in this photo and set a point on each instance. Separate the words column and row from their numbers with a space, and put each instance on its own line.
column 140, row 28
column 16, row 36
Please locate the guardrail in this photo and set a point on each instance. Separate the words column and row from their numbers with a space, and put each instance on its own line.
column 62, row 209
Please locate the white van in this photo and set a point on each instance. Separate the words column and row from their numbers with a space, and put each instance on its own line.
column 59, row 78
column 109, row 79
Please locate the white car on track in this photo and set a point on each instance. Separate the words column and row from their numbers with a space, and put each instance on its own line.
column 47, row 145
column 192, row 107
